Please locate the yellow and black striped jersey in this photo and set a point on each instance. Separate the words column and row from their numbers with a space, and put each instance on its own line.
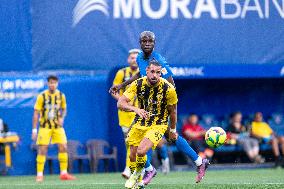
column 153, row 99
column 125, row 118
column 122, row 75
column 50, row 106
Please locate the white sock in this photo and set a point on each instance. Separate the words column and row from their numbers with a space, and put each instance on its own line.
column 40, row 174
column 150, row 168
column 198, row 162
column 63, row 172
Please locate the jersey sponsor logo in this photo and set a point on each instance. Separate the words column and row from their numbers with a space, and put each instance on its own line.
column 180, row 9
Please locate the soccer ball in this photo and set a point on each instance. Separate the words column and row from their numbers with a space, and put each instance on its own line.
column 215, row 137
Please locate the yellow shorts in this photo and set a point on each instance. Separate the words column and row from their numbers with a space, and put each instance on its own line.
column 125, row 118
column 57, row 136
column 154, row 134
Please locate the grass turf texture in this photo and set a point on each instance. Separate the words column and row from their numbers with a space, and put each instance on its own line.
column 257, row 178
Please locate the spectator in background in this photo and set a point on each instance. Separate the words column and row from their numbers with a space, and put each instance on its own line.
column 262, row 131
column 3, row 127
column 239, row 132
column 194, row 134
column 3, row 130
column 277, row 124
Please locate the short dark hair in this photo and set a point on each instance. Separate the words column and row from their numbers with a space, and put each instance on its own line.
column 52, row 77
column 148, row 34
column 233, row 114
column 154, row 62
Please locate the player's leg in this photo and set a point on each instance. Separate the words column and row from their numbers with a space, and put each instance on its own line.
column 163, row 151
column 43, row 139
column 134, row 138
column 183, row 146
column 126, row 173
column 150, row 171
column 59, row 137
column 41, row 157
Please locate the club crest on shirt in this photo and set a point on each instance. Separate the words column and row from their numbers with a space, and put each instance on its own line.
column 164, row 71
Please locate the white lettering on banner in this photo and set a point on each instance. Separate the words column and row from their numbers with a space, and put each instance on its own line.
column 195, row 71
column 7, row 85
column 134, row 9
column 20, row 84
column 29, row 84
column 205, row 6
column 182, row 6
column 155, row 14
column 248, row 7
column 278, row 8
column 129, row 9
column 234, row 3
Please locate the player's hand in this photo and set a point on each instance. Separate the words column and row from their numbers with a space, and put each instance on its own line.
column 173, row 136
column 60, row 121
column 34, row 136
column 114, row 89
column 142, row 113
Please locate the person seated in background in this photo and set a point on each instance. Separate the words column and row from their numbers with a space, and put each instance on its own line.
column 277, row 124
column 194, row 134
column 3, row 127
column 262, row 131
column 239, row 132
column 3, row 130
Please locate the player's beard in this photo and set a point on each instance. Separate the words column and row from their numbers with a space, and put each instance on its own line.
column 153, row 81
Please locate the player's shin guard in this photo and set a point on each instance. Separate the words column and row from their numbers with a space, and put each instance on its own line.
column 63, row 162
column 40, row 163
column 140, row 163
column 132, row 166
column 184, row 147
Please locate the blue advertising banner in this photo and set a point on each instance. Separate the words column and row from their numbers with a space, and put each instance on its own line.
column 20, row 91
column 207, row 71
column 15, row 35
column 96, row 34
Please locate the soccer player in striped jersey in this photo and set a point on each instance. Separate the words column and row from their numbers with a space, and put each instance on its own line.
column 157, row 100
column 50, row 111
column 147, row 43
column 126, row 117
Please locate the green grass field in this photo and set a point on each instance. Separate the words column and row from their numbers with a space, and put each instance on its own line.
column 257, row 178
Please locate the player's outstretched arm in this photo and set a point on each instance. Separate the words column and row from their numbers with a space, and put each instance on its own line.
column 173, row 121
column 115, row 88
column 171, row 80
column 123, row 104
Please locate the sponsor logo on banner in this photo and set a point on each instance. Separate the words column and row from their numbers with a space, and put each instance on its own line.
column 19, row 92
column 188, row 72
column 177, row 9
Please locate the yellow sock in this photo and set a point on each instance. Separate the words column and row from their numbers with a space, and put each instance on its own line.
column 63, row 162
column 140, row 163
column 127, row 155
column 40, row 160
column 132, row 166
